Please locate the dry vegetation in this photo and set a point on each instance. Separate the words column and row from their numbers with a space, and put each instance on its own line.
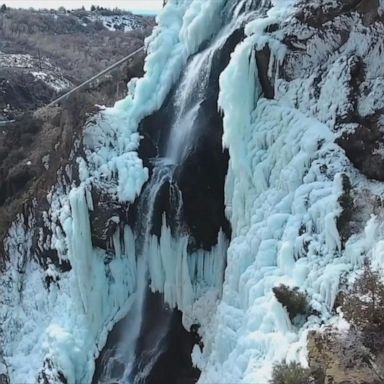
column 355, row 356
column 363, row 307
column 79, row 46
column 292, row 373
column 81, row 51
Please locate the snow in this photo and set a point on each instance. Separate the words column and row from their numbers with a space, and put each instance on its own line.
column 48, row 73
column 280, row 193
column 45, row 161
column 16, row 60
column 125, row 22
column 345, row 43
column 55, row 81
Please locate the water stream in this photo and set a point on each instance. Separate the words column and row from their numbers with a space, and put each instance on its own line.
column 124, row 365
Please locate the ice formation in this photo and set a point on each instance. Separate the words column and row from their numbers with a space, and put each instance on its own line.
column 282, row 196
column 62, row 327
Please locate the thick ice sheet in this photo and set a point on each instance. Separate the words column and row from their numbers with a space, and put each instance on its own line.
column 67, row 323
column 282, row 192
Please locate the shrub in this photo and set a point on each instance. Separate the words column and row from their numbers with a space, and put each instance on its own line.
column 292, row 299
column 363, row 307
column 4, row 379
column 81, row 49
column 347, row 205
column 292, row 373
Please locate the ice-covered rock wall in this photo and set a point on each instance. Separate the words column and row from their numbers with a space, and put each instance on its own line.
column 287, row 180
column 61, row 292
column 292, row 115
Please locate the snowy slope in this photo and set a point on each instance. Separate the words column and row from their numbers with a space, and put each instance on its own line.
column 125, row 23
column 41, row 70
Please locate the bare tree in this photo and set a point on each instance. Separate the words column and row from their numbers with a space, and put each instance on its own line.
column 364, row 307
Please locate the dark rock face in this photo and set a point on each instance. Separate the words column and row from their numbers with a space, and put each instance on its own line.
column 361, row 148
column 173, row 365
column 323, row 41
column 168, row 363
column 155, row 131
column 14, row 174
column 201, row 176
column 201, row 180
column 263, row 57
column 320, row 13
column 106, row 217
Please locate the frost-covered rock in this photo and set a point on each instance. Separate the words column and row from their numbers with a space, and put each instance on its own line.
column 331, row 71
column 340, row 356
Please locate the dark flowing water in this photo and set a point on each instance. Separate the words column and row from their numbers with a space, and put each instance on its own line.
column 187, row 183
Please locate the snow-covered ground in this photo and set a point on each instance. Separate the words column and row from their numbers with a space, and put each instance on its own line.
column 68, row 322
column 126, row 23
column 16, row 60
column 40, row 69
column 54, row 80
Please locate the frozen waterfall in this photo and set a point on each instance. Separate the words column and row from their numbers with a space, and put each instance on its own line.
column 281, row 197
